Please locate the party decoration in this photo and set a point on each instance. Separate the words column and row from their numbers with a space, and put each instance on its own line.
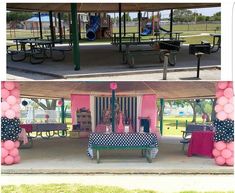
column 113, row 86
column 10, row 123
column 24, row 103
column 59, row 103
column 224, row 125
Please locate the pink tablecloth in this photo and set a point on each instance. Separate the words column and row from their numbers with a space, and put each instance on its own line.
column 28, row 127
column 201, row 143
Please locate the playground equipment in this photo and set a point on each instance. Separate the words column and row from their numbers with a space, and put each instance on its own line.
column 99, row 27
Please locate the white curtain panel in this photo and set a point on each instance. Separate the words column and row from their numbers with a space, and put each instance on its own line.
column 92, row 109
column 139, row 109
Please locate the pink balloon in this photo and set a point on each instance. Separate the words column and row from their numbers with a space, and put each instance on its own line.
column 218, row 108
column 220, row 160
column 9, row 160
column 16, row 108
column 220, row 145
column 226, row 153
column 230, row 116
column 222, row 84
column 230, row 100
column 2, row 161
column 17, row 144
column 228, row 108
column 230, row 146
column 4, row 106
column 9, row 145
column 17, row 159
column 215, row 152
column 2, row 114
column 222, row 100
column 219, row 93
column 230, row 161
column 11, row 100
column 228, row 92
column 2, row 84
column 230, row 84
column 15, row 92
column 2, row 144
column 221, row 115
column 14, row 152
column 4, row 152
column 9, row 85
column 10, row 114
column 17, row 85
column 17, row 115
column 4, row 93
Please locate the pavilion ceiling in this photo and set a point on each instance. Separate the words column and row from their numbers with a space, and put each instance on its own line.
column 106, row 7
column 167, row 90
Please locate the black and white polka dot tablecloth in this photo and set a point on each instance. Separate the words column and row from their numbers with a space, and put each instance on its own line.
column 121, row 140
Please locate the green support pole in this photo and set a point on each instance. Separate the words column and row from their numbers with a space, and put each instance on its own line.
column 62, row 114
column 51, row 28
column 75, row 39
column 124, row 24
column 40, row 24
column 176, row 124
column 139, row 18
column 161, row 115
column 60, row 27
column 171, row 23
column 120, row 26
column 113, row 110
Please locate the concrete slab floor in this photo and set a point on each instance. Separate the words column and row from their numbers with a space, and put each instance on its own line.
column 68, row 156
column 101, row 60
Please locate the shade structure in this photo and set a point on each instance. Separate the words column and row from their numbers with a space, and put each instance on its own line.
column 166, row 90
column 105, row 7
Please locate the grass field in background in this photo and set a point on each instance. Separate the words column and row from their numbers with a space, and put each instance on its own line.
column 76, row 188
column 169, row 125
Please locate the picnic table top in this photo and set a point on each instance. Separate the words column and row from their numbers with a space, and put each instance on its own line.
column 215, row 35
column 37, row 41
column 23, row 38
column 151, row 42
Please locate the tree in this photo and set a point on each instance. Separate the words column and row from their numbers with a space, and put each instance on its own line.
column 216, row 17
column 50, row 104
column 18, row 16
column 183, row 15
column 128, row 18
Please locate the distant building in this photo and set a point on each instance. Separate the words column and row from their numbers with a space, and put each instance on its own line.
column 33, row 22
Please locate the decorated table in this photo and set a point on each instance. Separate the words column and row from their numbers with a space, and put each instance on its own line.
column 147, row 142
column 201, row 143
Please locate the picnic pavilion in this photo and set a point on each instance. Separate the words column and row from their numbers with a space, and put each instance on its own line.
column 106, row 58
column 69, row 155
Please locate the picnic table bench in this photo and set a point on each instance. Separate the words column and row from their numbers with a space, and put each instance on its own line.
column 145, row 150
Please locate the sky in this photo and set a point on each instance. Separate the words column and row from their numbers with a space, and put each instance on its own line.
column 203, row 11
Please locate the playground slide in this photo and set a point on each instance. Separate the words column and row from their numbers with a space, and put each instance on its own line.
column 146, row 32
column 94, row 26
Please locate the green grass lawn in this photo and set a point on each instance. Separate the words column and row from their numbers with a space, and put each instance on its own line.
column 75, row 188
column 169, row 125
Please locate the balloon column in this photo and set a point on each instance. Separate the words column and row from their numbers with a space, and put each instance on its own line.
column 10, row 113
column 224, row 124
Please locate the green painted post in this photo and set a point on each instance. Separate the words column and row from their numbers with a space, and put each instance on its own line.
column 176, row 124
column 161, row 115
column 139, row 21
column 186, row 123
column 75, row 39
column 40, row 24
column 62, row 114
column 120, row 26
column 52, row 28
column 113, row 110
column 171, row 23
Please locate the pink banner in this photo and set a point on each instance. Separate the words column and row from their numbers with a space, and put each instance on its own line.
column 149, row 109
column 78, row 101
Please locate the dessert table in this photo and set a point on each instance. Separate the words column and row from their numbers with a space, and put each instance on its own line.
column 201, row 143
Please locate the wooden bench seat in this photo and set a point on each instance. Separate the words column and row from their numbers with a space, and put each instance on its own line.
column 146, row 151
